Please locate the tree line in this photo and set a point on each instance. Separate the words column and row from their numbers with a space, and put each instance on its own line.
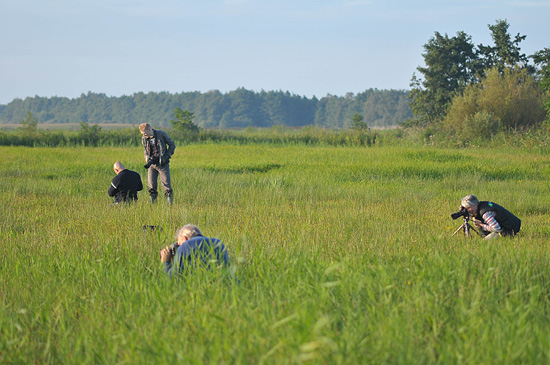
column 240, row 108
column 470, row 93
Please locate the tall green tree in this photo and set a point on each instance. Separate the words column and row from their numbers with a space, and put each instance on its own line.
column 183, row 126
column 184, row 121
column 357, row 123
column 29, row 124
column 506, row 51
column 542, row 60
column 451, row 64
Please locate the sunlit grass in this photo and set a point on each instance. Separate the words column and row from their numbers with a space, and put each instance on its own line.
column 340, row 255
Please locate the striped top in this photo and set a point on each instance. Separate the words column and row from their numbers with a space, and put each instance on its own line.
column 490, row 224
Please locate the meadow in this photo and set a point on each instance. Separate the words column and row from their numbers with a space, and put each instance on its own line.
column 339, row 255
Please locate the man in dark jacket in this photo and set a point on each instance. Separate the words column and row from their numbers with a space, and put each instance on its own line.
column 158, row 149
column 491, row 219
column 125, row 184
column 192, row 250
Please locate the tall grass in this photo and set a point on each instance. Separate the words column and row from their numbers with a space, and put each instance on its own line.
column 340, row 255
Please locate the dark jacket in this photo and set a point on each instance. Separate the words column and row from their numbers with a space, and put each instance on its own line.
column 506, row 220
column 165, row 146
column 198, row 251
column 125, row 186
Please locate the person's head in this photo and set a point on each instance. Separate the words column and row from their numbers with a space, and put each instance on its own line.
column 470, row 202
column 187, row 232
column 146, row 129
column 118, row 167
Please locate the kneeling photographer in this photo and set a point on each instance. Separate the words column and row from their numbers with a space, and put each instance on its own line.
column 492, row 219
column 191, row 250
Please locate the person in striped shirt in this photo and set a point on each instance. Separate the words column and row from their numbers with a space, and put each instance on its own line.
column 492, row 219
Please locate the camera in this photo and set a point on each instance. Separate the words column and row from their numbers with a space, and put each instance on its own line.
column 463, row 212
column 173, row 248
column 151, row 160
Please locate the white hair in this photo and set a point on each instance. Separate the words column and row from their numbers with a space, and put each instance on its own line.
column 189, row 231
column 469, row 201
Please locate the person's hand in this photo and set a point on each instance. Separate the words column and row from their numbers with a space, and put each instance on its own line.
column 477, row 223
column 165, row 255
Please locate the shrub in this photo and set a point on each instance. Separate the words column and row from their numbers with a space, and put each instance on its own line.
column 501, row 102
column 480, row 127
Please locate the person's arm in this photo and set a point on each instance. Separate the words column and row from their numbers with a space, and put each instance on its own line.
column 140, row 184
column 171, row 145
column 166, row 260
column 113, row 190
column 490, row 224
column 144, row 144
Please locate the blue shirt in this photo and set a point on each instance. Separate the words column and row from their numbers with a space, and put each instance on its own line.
column 198, row 251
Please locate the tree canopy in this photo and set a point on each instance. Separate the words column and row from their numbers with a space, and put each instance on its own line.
column 451, row 64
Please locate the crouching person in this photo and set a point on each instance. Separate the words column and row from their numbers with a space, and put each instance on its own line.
column 125, row 185
column 492, row 220
column 193, row 250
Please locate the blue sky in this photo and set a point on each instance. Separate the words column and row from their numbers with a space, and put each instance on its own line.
column 308, row 47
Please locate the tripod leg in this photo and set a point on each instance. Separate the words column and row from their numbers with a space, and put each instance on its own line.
column 459, row 228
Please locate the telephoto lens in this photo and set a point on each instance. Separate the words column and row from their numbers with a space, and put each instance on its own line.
column 463, row 212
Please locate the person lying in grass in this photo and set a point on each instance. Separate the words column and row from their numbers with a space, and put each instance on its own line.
column 193, row 250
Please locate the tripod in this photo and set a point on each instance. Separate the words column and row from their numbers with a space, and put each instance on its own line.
column 466, row 226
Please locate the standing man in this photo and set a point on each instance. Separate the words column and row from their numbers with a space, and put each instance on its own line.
column 159, row 148
column 125, row 184
column 491, row 219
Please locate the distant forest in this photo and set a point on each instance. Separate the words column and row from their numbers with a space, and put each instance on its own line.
column 236, row 109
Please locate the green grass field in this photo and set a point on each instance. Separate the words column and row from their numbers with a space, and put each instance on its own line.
column 341, row 255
